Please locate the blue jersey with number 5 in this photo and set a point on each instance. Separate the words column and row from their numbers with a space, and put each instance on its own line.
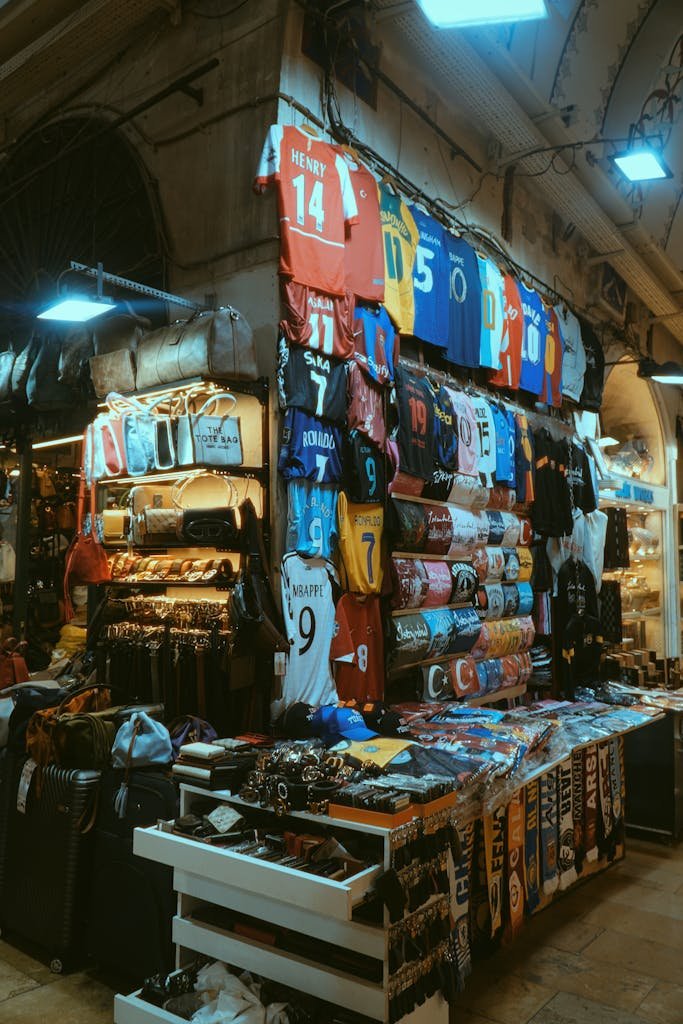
column 430, row 281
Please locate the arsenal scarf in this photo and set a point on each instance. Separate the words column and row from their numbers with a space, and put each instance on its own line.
column 494, row 843
column 549, row 832
column 533, row 897
column 605, row 819
column 590, row 802
column 566, row 824
column 515, row 863
column 577, row 807
column 460, row 903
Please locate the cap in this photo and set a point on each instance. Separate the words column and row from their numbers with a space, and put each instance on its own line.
column 331, row 722
column 297, row 721
column 382, row 719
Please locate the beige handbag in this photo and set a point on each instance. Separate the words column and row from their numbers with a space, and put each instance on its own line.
column 113, row 371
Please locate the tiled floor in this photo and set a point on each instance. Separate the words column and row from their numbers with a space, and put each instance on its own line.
column 609, row 953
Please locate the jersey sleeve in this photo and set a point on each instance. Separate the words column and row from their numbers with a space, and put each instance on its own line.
column 349, row 205
column 342, row 647
column 268, row 169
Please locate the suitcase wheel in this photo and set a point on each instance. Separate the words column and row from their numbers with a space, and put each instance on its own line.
column 56, row 966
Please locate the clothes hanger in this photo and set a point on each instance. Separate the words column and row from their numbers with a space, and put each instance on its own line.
column 391, row 182
column 309, row 129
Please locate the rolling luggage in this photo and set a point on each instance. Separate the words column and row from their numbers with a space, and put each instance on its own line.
column 132, row 902
column 47, row 858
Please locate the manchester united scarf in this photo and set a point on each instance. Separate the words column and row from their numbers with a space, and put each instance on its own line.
column 549, row 832
column 577, row 807
column 494, row 843
column 460, row 903
column 533, row 897
column 590, row 802
column 515, row 863
column 566, row 824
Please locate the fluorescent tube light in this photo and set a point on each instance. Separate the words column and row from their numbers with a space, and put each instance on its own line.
column 57, row 442
column 76, row 310
column 461, row 13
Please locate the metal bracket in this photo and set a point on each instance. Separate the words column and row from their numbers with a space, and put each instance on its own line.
column 195, row 94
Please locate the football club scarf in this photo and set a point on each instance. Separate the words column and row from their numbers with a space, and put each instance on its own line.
column 494, row 842
column 480, row 915
column 460, row 904
column 590, row 802
column 605, row 820
column 549, row 832
column 622, row 779
column 615, row 780
column 515, row 863
column 577, row 808
column 566, row 824
column 533, row 897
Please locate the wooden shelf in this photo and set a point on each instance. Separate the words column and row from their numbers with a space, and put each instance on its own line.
column 505, row 693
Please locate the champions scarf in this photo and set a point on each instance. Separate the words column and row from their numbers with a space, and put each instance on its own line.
column 494, row 843
column 515, row 862
column 480, row 916
column 566, row 824
column 549, row 832
column 533, row 897
column 577, row 807
column 605, row 818
column 460, row 904
column 590, row 802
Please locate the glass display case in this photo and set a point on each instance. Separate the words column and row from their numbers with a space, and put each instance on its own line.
column 642, row 583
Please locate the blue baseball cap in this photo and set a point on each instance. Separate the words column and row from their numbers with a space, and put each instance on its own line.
column 331, row 722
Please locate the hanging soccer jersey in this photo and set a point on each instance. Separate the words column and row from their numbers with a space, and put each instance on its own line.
column 400, row 236
column 524, row 460
column 375, row 342
column 446, row 433
column 323, row 323
column 358, row 648
column 312, row 382
column 468, row 439
column 415, row 400
column 311, row 518
column 513, row 337
column 308, row 609
column 364, row 249
column 574, row 357
column 554, row 352
column 364, row 469
column 311, row 448
column 533, row 345
column 464, row 302
column 365, row 411
column 360, row 543
column 486, row 432
column 505, row 446
column 430, row 281
column 316, row 201
column 492, row 313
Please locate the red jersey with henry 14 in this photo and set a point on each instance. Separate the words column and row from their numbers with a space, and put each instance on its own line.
column 316, row 201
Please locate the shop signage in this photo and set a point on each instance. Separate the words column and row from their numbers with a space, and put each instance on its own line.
column 633, row 492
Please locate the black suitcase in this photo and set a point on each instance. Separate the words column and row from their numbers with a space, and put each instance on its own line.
column 132, row 902
column 47, row 858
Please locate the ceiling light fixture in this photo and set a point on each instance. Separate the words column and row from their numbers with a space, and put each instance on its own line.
column 662, row 373
column 641, row 163
column 76, row 310
column 463, row 13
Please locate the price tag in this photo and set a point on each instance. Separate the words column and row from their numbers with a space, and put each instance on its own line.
column 25, row 784
column 279, row 663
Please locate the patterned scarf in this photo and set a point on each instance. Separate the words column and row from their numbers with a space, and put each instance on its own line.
column 460, row 904
column 549, row 832
column 590, row 802
column 480, row 915
column 605, row 819
column 515, row 862
column 494, row 842
column 615, row 780
column 577, row 808
column 566, row 829
column 533, row 897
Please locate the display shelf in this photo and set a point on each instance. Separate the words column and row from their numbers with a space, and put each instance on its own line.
column 146, row 584
column 636, row 616
column 259, row 473
column 505, row 693
column 430, row 608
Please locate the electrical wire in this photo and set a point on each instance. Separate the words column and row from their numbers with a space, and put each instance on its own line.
column 220, row 15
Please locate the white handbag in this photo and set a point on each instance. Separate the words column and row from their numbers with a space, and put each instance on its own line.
column 206, row 438
column 147, row 434
column 7, row 562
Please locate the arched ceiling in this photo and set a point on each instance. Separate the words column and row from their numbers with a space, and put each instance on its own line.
column 609, row 64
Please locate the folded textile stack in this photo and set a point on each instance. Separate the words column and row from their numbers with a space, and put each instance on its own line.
column 212, row 766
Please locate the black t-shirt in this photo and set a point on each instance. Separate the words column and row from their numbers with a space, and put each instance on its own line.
column 575, row 593
column 445, row 430
column 580, row 480
column 552, row 509
column 415, row 401
column 582, row 644
column 594, row 378
column 311, row 381
column 407, row 525
column 364, row 469
column 439, row 486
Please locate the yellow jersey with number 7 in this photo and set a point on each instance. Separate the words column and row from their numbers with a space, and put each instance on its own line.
column 360, row 544
column 400, row 236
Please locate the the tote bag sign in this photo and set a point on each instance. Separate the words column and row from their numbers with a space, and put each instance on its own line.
column 210, row 436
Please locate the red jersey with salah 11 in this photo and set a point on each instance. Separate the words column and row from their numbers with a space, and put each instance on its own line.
column 323, row 323
column 358, row 648
column 316, row 201
column 364, row 469
column 364, row 251
column 311, row 381
column 415, row 400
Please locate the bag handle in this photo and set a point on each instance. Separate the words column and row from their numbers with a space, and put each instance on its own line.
column 177, row 490
column 217, row 396
column 76, row 693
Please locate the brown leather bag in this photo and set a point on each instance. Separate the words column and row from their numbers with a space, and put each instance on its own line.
column 113, row 371
column 40, row 733
column 218, row 345
column 116, row 340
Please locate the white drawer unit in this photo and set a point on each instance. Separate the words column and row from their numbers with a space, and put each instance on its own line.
column 212, row 877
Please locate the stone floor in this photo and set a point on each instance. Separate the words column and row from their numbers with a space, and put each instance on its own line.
column 610, row 952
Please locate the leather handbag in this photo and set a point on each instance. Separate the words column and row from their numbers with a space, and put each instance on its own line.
column 40, row 732
column 7, row 562
column 74, row 352
column 44, row 390
column 115, row 524
column 218, row 345
column 215, row 526
column 85, row 560
column 6, row 366
column 209, row 439
column 120, row 332
column 13, row 668
column 140, row 742
column 66, row 516
column 108, row 447
column 113, row 371
column 23, row 361
column 253, row 610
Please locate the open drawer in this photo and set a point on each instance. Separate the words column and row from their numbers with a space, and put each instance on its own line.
column 274, row 881
column 133, row 1010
